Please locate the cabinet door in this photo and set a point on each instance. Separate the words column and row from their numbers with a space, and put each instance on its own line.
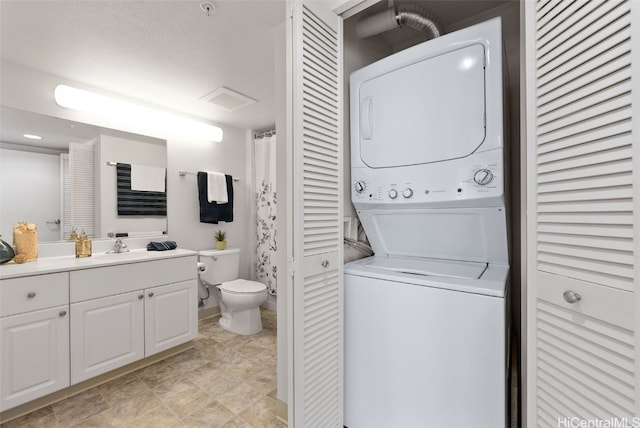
column 34, row 355
column 171, row 315
column 106, row 334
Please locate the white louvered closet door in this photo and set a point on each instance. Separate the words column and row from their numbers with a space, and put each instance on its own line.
column 316, row 42
column 582, row 210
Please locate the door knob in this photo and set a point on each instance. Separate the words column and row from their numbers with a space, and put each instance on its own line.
column 571, row 296
column 151, row 294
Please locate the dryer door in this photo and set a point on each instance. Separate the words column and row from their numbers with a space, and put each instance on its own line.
column 428, row 111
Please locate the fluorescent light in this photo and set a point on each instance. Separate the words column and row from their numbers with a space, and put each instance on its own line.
column 78, row 99
column 32, row 136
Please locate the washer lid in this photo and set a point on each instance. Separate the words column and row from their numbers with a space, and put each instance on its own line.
column 430, row 267
column 243, row 286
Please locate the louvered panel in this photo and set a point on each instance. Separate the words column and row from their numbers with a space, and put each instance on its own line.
column 580, row 11
column 595, row 255
column 588, row 195
column 620, row 231
column 588, row 125
column 622, row 165
column 550, row 11
column 586, row 206
column 585, row 146
column 599, row 218
column 604, row 93
column 607, row 27
column 586, row 110
column 606, row 242
column 612, row 180
column 612, row 378
column 579, row 33
column 554, row 83
column 82, row 187
column 322, row 327
column 318, row 158
column 588, row 364
column 559, row 409
column 585, row 161
column 603, row 77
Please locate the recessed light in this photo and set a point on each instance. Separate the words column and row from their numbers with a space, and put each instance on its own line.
column 32, row 137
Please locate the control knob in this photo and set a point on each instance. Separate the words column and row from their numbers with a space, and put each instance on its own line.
column 407, row 193
column 393, row 193
column 483, row 177
column 360, row 186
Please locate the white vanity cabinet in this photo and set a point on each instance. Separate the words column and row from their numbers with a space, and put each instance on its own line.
column 122, row 313
column 34, row 337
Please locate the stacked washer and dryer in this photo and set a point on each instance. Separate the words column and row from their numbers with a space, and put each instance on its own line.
column 426, row 317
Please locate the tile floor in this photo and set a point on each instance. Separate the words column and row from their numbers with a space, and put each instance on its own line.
column 225, row 380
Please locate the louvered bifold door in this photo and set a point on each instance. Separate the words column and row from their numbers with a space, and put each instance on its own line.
column 317, row 217
column 581, row 221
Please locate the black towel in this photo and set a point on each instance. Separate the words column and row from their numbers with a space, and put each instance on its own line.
column 212, row 212
column 137, row 202
column 161, row 246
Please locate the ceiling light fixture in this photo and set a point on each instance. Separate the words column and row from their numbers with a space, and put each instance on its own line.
column 32, row 136
column 78, row 99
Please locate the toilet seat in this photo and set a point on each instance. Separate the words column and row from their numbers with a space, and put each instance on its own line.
column 242, row 286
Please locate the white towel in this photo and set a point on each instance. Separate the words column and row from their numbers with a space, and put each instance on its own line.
column 217, row 188
column 148, row 178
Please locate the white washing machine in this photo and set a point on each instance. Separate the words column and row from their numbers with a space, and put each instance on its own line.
column 426, row 318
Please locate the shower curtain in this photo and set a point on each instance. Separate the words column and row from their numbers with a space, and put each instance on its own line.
column 265, row 167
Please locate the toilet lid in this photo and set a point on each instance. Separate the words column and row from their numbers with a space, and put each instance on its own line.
column 243, row 286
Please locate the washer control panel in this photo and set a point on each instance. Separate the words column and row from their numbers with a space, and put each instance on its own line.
column 433, row 183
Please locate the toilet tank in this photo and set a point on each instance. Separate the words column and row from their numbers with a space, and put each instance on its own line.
column 221, row 265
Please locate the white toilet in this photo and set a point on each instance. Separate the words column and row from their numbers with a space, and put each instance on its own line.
column 239, row 299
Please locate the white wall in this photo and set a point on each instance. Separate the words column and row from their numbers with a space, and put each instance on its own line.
column 34, row 197
column 115, row 149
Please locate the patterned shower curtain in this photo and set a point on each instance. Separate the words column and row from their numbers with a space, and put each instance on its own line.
column 265, row 165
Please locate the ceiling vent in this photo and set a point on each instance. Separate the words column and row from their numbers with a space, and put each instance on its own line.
column 228, row 100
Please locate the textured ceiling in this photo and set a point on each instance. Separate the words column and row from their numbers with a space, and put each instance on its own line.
column 168, row 53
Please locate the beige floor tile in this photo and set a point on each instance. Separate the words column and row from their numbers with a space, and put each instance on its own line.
column 121, row 389
column 136, row 406
column 182, row 396
column 105, row 419
column 237, row 422
column 261, row 413
column 212, row 415
column 157, row 373
column 238, row 398
column 186, row 361
column 82, row 406
column 43, row 418
column 160, row 417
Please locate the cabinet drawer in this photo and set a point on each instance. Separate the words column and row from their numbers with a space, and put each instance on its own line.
column 32, row 293
column 111, row 280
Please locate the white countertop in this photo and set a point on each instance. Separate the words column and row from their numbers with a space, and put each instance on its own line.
column 69, row 263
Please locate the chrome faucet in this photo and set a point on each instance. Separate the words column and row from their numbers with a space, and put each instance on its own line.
column 118, row 247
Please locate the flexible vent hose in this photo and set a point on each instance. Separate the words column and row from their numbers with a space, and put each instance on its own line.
column 407, row 15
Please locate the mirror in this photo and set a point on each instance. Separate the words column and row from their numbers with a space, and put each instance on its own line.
column 68, row 177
